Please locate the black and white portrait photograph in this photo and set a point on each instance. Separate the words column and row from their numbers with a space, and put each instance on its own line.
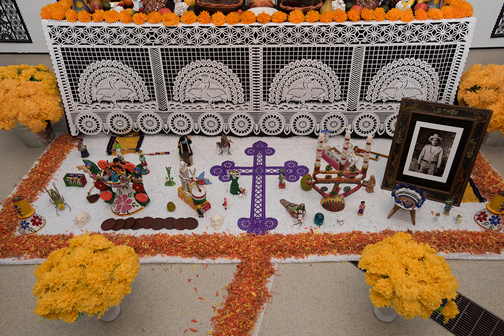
column 432, row 150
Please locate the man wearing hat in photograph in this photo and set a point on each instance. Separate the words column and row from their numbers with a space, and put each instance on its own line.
column 431, row 156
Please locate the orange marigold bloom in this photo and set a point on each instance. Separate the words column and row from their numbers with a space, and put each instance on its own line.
column 111, row 16
column 463, row 9
column 218, row 19
column 453, row 2
column 340, row 15
column 83, row 16
column 393, row 15
column 170, row 19
column 247, row 17
column 45, row 13
column 379, row 14
column 296, row 16
column 233, row 18
column 71, row 15
column 124, row 17
column 279, row 17
column 98, row 15
column 326, row 17
column 188, row 17
column 154, row 17
column 421, row 15
column 435, row 14
column 312, row 16
column 353, row 15
column 407, row 15
column 139, row 18
column 204, row 18
column 58, row 14
column 264, row 18
column 66, row 4
column 367, row 14
column 448, row 12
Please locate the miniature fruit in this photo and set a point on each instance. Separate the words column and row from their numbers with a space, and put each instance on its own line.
column 357, row 8
column 164, row 10
column 190, row 3
column 421, row 6
column 170, row 206
column 326, row 7
column 385, row 8
column 349, row 6
column 106, row 5
column 130, row 11
column 127, row 3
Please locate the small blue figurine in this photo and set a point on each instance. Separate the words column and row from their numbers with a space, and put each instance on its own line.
column 448, row 206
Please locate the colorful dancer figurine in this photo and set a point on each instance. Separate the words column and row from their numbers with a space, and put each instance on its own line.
column 448, row 207
column 224, row 142
column 117, row 147
column 185, row 150
column 82, row 148
column 362, row 206
column 281, row 178
column 234, row 174
column 296, row 210
column 141, row 157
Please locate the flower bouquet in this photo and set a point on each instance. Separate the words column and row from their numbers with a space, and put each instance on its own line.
column 89, row 276
column 482, row 86
column 410, row 277
column 29, row 95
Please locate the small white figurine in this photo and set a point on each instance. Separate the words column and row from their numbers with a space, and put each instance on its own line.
column 82, row 218
column 338, row 4
column 340, row 221
column 217, row 220
column 185, row 176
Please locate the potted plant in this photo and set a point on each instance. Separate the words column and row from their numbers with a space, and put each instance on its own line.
column 408, row 277
column 482, row 86
column 89, row 276
column 30, row 101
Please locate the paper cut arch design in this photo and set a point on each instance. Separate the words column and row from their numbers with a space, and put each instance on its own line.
column 111, row 81
column 304, row 81
column 207, row 81
column 404, row 78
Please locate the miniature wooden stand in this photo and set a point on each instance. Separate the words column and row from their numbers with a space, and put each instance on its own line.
column 407, row 197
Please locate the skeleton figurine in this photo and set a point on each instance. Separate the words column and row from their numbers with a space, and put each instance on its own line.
column 185, row 176
column 340, row 221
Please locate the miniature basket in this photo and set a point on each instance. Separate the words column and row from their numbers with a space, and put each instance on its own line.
column 304, row 9
column 217, row 7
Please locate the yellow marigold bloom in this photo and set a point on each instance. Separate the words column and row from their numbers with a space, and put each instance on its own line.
column 279, row 17
column 248, row 17
column 84, row 16
column 139, row 18
column 218, row 19
column 367, row 14
column 340, row 15
column 463, row 9
column 379, row 14
column 154, row 17
column 204, row 18
column 45, row 13
column 353, row 15
column 170, row 19
column 296, row 16
column 326, row 17
column 448, row 12
column 421, row 15
column 189, row 17
column 98, row 15
column 435, row 14
column 71, row 15
column 407, row 15
column 233, row 18
column 111, row 16
column 263, row 18
column 312, row 16
column 394, row 14
column 124, row 17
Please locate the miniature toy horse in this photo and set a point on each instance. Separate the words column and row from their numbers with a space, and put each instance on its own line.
column 224, row 142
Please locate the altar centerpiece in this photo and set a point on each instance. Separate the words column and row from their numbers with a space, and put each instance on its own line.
column 410, row 277
column 89, row 276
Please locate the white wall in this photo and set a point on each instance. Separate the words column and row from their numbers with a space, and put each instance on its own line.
column 486, row 12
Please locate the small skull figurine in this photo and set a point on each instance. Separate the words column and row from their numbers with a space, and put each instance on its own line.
column 217, row 220
column 340, row 221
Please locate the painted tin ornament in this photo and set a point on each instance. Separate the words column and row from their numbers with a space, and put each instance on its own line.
column 490, row 218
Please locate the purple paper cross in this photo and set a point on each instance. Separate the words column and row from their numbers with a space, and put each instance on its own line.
column 258, row 223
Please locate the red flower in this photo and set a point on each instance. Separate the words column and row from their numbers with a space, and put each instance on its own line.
column 129, row 167
column 138, row 187
column 106, row 195
column 36, row 221
column 102, row 164
column 100, row 185
column 482, row 216
column 141, row 197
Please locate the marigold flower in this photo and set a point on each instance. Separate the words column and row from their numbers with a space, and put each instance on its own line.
column 393, row 15
column 83, row 16
column 111, row 16
column 204, row 18
column 421, row 15
column 124, row 17
column 58, row 14
column 340, row 15
column 463, row 9
column 279, row 17
column 379, row 14
column 170, row 19
column 218, row 19
column 367, row 14
column 98, row 15
column 312, row 16
column 326, row 17
column 407, row 15
column 154, row 17
column 46, row 13
column 263, row 18
column 435, row 14
column 189, row 17
column 248, row 17
column 233, row 18
column 448, row 12
column 353, row 15
column 139, row 18
column 71, row 15
column 296, row 16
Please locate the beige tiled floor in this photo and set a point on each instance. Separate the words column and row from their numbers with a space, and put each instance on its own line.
column 317, row 299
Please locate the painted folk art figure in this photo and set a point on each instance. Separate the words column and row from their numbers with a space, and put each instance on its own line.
column 185, row 150
column 118, row 148
column 234, row 174
column 362, row 206
column 297, row 211
column 224, row 143
column 141, row 157
column 281, row 178
column 82, row 148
